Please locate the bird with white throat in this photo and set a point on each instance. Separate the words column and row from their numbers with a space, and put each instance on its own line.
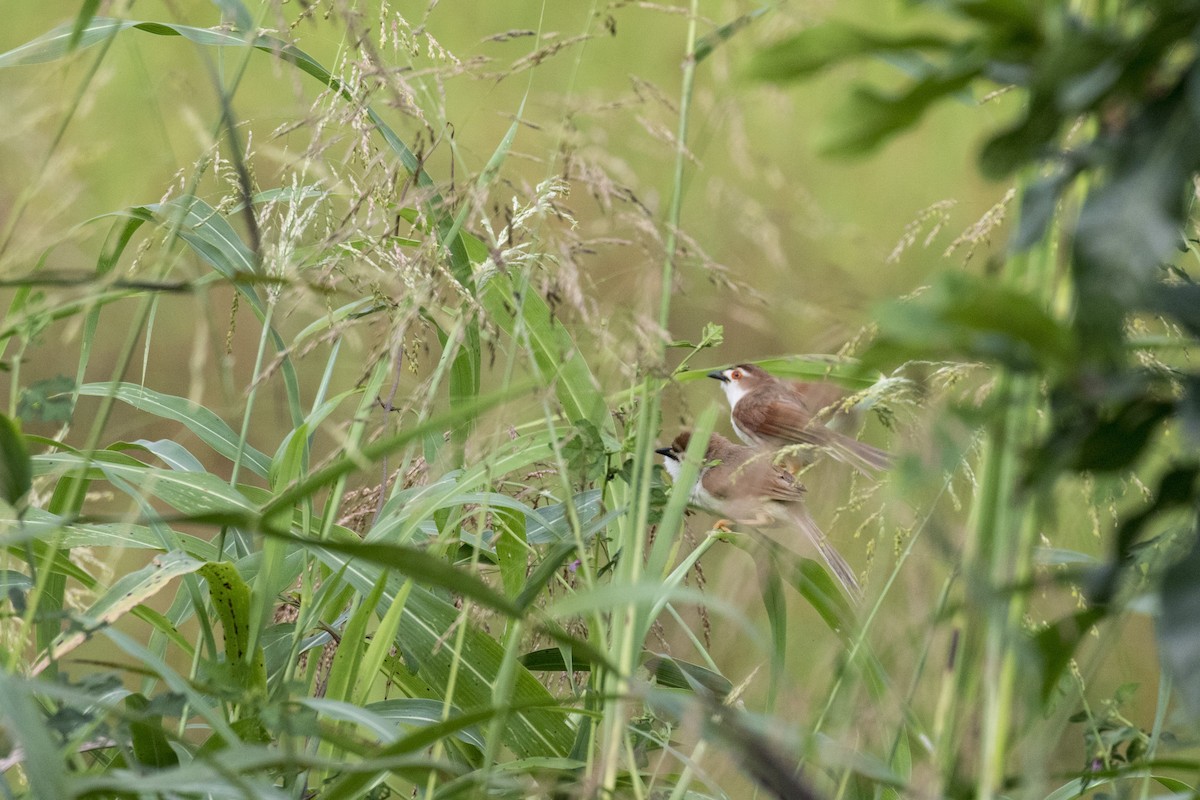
column 768, row 412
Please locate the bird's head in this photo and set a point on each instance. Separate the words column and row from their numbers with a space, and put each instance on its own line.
column 739, row 380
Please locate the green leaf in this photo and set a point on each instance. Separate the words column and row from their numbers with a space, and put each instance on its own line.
column 426, row 620
column 282, row 503
column 151, row 747
column 1056, row 645
column 64, row 39
column 16, row 469
column 121, row 598
column 413, row 712
column 87, row 10
column 776, row 607
column 50, row 400
column 975, row 318
column 1179, row 626
column 199, row 495
column 113, row 534
column 868, row 117
column 512, row 548
column 344, row 673
column 706, row 44
column 381, row 643
column 1038, row 206
column 677, row 674
column 175, row 455
column 231, row 600
column 544, row 573
column 42, row 763
column 211, row 429
column 832, row 43
column 417, row 564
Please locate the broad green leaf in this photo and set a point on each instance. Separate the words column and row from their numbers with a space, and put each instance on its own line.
column 209, row 234
column 87, row 10
column 291, row 458
column 832, row 43
column 388, row 719
column 62, row 40
column 214, row 240
column 869, row 117
column 422, row 567
column 120, row 599
column 677, row 674
column 351, row 310
column 231, row 600
column 544, row 572
column 16, row 470
column 512, row 549
column 211, row 429
column 1179, row 625
column 551, row 524
column 974, row 318
column 197, row 494
column 381, row 643
column 151, row 747
column 42, row 763
column 1055, row 646
column 11, row 580
column 350, row 785
column 113, row 534
column 175, row 455
column 775, row 604
column 414, row 712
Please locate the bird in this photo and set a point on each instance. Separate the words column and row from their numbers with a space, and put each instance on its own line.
column 768, row 412
column 742, row 484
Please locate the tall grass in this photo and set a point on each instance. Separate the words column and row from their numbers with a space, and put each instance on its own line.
column 402, row 533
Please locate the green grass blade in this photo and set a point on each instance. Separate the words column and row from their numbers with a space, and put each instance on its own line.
column 211, row 429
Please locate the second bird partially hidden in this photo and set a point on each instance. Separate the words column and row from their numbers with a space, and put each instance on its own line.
column 743, row 485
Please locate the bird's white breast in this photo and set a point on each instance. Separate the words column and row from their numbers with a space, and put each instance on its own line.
column 672, row 467
column 734, row 391
column 698, row 496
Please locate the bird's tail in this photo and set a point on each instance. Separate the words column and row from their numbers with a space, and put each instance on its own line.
column 833, row 559
column 860, row 455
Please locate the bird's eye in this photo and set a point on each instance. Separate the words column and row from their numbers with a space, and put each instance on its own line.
column 736, row 375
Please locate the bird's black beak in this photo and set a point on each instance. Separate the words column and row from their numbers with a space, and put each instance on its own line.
column 668, row 452
column 718, row 375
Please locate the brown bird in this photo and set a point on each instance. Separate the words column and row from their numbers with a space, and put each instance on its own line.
column 772, row 413
column 741, row 484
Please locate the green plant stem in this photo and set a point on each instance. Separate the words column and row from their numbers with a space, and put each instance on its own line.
column 674, row 211
column 1006, row 533
column 629, row 623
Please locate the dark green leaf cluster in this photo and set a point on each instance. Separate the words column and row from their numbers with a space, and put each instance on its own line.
column 1109, row 117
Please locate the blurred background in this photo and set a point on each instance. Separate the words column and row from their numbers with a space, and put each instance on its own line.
column 786, row 249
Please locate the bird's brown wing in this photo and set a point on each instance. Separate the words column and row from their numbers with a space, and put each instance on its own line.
column 748, row 475
column 787, row 421
column 776, row 484
column 819, row 398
